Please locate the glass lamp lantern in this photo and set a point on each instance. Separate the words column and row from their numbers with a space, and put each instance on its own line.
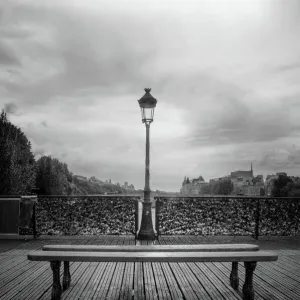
column 147, row 104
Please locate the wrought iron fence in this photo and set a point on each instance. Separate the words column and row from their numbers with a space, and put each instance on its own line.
column 227, row 215
column 86, row 215
column 195, row 215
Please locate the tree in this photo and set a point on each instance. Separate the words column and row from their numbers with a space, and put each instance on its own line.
column 294, row 190
column 282, row 185
column 226, row 186
column 53, row 176
column 221, row 187
column 17, row 164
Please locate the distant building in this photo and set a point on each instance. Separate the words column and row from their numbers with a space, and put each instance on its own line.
column 218, row 179
column 254, row 187
column 95, row 180
column 244, row 183
column 80, row 177
column 194, row 187
column 240, row 179
column 128, row 187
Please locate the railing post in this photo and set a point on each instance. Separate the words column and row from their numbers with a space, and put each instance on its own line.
column 297, row 217
column 34, row 221
column 157, row 209
column 257, row 219
column 136, row 217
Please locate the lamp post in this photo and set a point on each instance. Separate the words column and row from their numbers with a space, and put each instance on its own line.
column 147, row 104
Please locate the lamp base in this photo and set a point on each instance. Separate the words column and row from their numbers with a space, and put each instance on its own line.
column 146, row 231
column 146, row 236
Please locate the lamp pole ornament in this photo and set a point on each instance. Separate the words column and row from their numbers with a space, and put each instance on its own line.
column 147, row 104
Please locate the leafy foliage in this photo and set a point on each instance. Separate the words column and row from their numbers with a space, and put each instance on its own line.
column 54, row 178
column 280, row 188
column 17, row 164
column 221, row 187
column 90, row 188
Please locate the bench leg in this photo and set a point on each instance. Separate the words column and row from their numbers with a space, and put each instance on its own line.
column 234, row 276
column 67, row 276
column 248, row 291
column 56, row 287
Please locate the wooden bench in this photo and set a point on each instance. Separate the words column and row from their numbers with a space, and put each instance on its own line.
column 234, row 278
column 248, row 257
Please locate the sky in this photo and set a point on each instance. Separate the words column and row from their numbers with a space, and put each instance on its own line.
column 225, row 74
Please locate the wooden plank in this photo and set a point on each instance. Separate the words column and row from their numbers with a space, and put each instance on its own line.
column 284, row 265
column 116, row 282
column 150, row 287
column 14, row 289
column 208, row 285
column 194, row 282
column 173, row 287
column 183, row 282
column 104, row 285
column 221, row 283
column 289, row 287
column 43, row 282
column 95, row 281
column 12, row 273
column 161, row 284
column 22, row 272
column 126, row 291
column 153, row 256
column 138, row 292
column 87, row 272
column 285, row 276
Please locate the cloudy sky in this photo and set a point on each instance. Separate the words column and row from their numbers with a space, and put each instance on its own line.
column 225, row 73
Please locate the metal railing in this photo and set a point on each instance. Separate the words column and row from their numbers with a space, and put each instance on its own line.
column 196, row 215
column 88, row 214
column 227, row 215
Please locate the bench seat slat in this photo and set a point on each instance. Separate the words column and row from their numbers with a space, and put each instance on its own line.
column 241, row 256
column 160, row 248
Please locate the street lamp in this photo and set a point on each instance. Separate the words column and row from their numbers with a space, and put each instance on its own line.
column 147, row 104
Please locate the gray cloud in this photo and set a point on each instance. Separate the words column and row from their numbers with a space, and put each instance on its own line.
column 7, row 55
column 44, row 123
column 39, row 152
column 87, row 53
column 281, row 158
column 242, row 126
column 10, row 108
column 225, row 76
column 288, row 67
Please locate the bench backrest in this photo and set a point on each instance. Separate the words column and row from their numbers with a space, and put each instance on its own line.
column 153, row 248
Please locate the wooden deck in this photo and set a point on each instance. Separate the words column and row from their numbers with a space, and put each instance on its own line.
column 24, row 279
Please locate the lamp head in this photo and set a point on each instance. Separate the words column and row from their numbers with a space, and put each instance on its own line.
column 147, row 104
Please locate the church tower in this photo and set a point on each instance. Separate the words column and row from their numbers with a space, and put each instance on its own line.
column 251, row 169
